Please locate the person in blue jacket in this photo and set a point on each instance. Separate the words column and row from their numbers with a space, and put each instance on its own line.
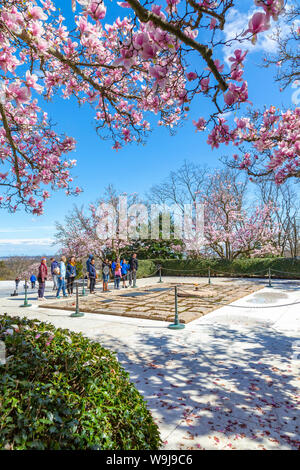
column 71, row 274
column 92, row 276
column 88, row 262
column 113, row 268
column 33, row 281
column 124, row 271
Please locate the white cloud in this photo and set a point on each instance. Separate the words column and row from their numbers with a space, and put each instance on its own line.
column 25, row 229
column 27, row 241
column 226, row 115
column 237, row 22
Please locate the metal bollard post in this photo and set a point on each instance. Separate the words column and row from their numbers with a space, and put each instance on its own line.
column 160, row 275
column 25, row 304
column 83, row 293
column 209, row 281
column 270, row 285
column 77, row 313
column 176, row 325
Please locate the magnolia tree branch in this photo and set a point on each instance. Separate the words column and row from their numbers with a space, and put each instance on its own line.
column 12, row 144
column 145, row 16
column 135, row 66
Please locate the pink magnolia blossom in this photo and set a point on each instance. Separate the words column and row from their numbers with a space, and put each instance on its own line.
column 191, row 76
column 200, row 124
column 97, row 9
column 258, row 23
column 125, row 70
column 213, row 23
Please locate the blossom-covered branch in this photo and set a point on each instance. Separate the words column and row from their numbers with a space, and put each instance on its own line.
column 139, row 64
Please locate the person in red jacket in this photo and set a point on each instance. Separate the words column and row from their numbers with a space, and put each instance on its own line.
column 42, row 277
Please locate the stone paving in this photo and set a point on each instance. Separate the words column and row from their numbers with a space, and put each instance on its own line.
column 229, row 381
column 157, row 303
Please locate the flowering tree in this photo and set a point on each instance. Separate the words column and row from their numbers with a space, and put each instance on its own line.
column 77, row 235
column 139, row 64
column 27, row 273
column 269, row 143
column 230, row 230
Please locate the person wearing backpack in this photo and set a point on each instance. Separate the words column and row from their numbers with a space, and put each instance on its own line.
column 71, row 274
column 54, row 272
column 124, row 271
column 92, row 276
column 105, row 275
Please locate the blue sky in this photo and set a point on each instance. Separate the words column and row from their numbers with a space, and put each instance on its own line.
column 134, row 168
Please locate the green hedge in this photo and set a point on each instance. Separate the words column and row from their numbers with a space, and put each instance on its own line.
column 289, row 268
column 59, row 390
column 146, row 268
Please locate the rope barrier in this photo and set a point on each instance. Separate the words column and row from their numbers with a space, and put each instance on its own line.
column 227, row 272
column 239, row 274
column 215, row 271
column 150, row 275
column 211, row 271
column 180, row 270
column 99, row 280
column 284, row 272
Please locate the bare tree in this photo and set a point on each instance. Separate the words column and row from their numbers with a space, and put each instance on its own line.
column 287, row 58
column 285, row 198
column 294, row 236
column 181, row 186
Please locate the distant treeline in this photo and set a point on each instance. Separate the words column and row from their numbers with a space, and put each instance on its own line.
column 12, row 267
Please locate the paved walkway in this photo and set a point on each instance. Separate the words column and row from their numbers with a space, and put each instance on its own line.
column 229, row 380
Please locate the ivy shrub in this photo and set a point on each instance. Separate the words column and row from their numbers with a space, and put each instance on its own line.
column 60, row 390
column 146, row 268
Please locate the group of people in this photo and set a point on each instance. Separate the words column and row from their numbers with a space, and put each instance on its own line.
column 119, row 269
column 64, row 272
